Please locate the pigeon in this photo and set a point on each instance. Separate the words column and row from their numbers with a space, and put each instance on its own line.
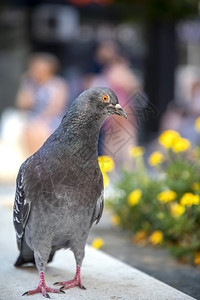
column 59, row 189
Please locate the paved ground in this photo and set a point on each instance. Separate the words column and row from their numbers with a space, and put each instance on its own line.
column 105, row 277
column 155, row 262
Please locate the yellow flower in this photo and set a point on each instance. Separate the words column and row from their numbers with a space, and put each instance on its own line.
column 97, row 243
column 106, row 179
column 106, row 163
column 156, row 158
column 115, row 220
column 189, row 199
column 136, row 151
column 139, row 236
column 168, row 137
column 172, row 139
column 134, row 197
column 181, row 145
column 197, row 124
column 156, row 237
column 177, row 210
column 196, row 200
column 167, row 196
column 195, row 186
column 197, row 258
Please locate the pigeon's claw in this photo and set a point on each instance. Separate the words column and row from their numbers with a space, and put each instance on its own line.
column 44, row 291
column 42, row 288
column 72, row 283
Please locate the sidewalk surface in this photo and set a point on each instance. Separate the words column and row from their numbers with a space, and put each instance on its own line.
column 154, row 261
column 103, row 276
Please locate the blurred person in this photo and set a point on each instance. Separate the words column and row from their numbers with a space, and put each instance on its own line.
column 194, row 107
column 106, row 53
column 44, row 95
column 182, row 113
column 117, row 75
column 124, row 82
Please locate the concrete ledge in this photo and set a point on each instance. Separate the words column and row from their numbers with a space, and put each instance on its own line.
column 103, row 276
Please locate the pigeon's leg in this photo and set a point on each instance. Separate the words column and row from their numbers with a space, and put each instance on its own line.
column 74, row 282
column 42, row 288
column 79, row 254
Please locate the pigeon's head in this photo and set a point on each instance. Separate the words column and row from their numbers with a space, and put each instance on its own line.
column 102, row 102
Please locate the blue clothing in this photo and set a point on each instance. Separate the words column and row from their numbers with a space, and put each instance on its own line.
column 42, row 97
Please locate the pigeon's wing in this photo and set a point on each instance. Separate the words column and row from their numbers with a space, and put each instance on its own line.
column 98, row 209
column 22, row 207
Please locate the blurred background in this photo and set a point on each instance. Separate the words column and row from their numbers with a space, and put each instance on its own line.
column 148, row 52
column 149, row 48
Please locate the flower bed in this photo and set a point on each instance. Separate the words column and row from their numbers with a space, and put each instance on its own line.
column 162, row 207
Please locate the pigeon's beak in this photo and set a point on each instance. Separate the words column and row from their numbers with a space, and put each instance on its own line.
column 117, row 110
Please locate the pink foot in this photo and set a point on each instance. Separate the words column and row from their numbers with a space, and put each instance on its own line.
column 42, row 288
column 71, row 283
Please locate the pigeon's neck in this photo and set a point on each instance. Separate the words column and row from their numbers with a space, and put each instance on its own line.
column 82, row 132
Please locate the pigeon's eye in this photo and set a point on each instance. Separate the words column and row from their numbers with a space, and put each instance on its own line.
column 105, row 98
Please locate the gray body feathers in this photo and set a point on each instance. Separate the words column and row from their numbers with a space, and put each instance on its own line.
column 59, row 190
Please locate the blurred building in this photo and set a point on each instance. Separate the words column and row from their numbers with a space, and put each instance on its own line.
column 157, row 37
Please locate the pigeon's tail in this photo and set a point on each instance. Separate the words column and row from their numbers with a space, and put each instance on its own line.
column 27, row 255
column 22, row 260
